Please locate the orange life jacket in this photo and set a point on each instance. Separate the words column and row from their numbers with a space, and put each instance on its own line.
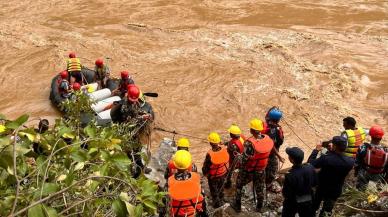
column 376, row 159
column 172, row 169
column 185, row 196
column 239, row 143
column 259, row 160
column 220, row 162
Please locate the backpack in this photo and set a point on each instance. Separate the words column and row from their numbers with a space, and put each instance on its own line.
column 376, row 159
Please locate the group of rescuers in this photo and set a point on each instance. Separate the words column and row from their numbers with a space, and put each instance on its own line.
column 256, row 158
column 132, row 106
column 306, row 185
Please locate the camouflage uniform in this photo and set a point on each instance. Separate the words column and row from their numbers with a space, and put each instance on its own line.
column 244, row 177
column 216, row 184
column 232, row 150
column 276, row 133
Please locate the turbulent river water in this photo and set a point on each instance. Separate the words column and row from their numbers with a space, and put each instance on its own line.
column 212, row 62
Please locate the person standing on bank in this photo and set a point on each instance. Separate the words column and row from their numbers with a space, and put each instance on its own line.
column 297, row 188
column 334, row 167
column 355, row 136
column 253, row 163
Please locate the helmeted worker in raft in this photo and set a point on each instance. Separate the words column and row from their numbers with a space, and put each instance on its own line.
column 74, row 68
column 132, row 109
column 372, row 160
column 257, row 150
column 186, row 198
column 183, row 144
column 63, row 84
column 125, row 80
column 102, row 73
column 216, row 168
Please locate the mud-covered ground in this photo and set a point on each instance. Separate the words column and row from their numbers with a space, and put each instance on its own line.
column 213, row 63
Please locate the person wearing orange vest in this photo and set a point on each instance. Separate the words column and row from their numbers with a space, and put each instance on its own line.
column 372, row 160
column 253, row 163
column 183, row 144
column 235, row 148
column 354, row 135
column 186, row 198
column 215, row 168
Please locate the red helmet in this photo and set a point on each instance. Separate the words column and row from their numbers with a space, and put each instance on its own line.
column 99, row 62
column 76, row 86
column 376, row 132
column 124, row 74
column 72, row 55
column 133, row 93
column 64, row 74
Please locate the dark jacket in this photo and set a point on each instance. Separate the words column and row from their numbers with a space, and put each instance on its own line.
column 334, row 169
column 299, row 182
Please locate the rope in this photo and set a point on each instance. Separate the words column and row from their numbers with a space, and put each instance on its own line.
column 292, row 130
column 362, row 210
column 181, row 134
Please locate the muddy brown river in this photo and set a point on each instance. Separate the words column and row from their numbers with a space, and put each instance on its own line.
column 213, row 63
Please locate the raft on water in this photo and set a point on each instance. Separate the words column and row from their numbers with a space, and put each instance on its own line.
column 103, row 98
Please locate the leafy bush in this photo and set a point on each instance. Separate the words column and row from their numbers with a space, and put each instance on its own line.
column 78, row 170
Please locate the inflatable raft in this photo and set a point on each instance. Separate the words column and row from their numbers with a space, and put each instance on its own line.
column 103, row 98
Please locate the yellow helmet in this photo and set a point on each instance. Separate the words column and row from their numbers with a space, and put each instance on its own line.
column 182, row 159
column 214, row 138
column 183, row 142
column 256, row 124
column 234, row 129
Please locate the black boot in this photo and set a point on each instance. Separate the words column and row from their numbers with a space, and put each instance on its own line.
column 236, row 206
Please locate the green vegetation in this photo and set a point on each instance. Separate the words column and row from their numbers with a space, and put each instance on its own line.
column 82, row 170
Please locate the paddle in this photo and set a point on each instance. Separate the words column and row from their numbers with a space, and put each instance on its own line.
column 151, row 94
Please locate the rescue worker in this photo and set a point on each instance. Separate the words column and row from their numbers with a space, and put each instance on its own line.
column 334, row 167
column 215, row 168
column 184, row 189
column 125, row 80
column 320, row 150
column 183, row 144
column 235, row 148
column 275, row 132
column 63, row 84
column 74, row 68
column 355, row 136
column 102, row 73
column 372, row 160
column 128, row 109
column 254, row 161
column 298, row 186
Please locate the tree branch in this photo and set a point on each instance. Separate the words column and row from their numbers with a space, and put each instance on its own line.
column 15, row 172
column 362, row 210
column 68, row 188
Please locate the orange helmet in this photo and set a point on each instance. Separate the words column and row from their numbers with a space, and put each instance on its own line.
column 72, row 55
column 124, row 74
column 133, row 93
column 99, row 62
column 376, row 132
column 64, row 74
column 76, row 86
